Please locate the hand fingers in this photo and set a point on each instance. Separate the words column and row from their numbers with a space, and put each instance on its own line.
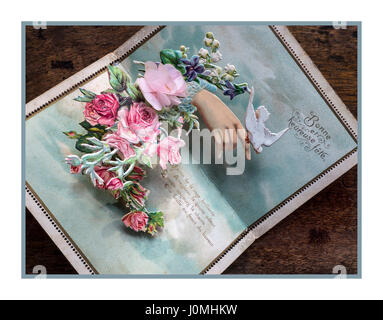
column 242, row 134
column 218, row 142
column 227, row 139
column 234, row 138
column 230, row 139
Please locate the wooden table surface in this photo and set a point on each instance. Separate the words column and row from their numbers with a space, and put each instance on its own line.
column 312, row 240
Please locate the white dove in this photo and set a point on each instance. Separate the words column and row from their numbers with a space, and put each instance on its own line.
column 257, row 133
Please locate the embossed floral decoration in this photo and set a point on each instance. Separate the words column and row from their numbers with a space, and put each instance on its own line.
column 124, row 124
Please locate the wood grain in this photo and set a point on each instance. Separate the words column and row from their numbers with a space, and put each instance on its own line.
column 318, row 236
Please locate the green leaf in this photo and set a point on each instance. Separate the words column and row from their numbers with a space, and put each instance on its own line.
column 181, row 68
column 133, row 92
column 190, row 124
column 156, row 218
column 88, row 93
column 97, row 131
column 178, row 54
column 114, row 127
column 219, row 86
column 85, row 124
column 83, row 99
column 131, row 160
column 146, row 160
column 187, row 109
column 210, row 65
column 88, row 96
column 117, row 78
column 170, row 56
column 125, row 101
column 109, row 91
column 82, row 140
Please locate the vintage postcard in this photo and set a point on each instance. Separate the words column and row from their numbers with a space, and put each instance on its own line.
column 202, row 211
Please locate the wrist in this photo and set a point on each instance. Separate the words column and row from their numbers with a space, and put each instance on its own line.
column 200, row 97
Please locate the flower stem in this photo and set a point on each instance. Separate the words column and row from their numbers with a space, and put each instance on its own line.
column 130, row 169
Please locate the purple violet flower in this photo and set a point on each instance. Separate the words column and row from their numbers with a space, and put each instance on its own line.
column 230, row 91
column 233, row 90
column 193, row 67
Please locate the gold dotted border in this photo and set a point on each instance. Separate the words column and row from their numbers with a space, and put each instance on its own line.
column 69, row 242
column 94, row 74
column 313, row 80
column 255, row 224
column 28, row 188
column 339, row 115
column 277, row 208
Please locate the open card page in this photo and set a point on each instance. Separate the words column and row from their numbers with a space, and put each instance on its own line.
column 212, row 210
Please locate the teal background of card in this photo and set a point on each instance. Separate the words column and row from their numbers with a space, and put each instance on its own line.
column 92, row 217
column 280, row 85
column 269, row 178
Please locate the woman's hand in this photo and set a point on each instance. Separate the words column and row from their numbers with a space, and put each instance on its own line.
column 223, row 123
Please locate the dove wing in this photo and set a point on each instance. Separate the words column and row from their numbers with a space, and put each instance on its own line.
column 271, row 137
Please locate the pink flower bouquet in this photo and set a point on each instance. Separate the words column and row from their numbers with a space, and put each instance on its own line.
column 124, row 125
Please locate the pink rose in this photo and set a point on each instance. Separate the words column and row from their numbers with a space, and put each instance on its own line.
column 104, row 174
column 75, row 169
column 74, row 162
column 137, row 174
column 116, row 194
column 168, row 151
column 162, row 85
column 116, row 141
column 136, row 220
column 114, row 184
column 150, row 148
column 102, row 110
column 137, row 195
column 109, row 179
column 140, row 122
